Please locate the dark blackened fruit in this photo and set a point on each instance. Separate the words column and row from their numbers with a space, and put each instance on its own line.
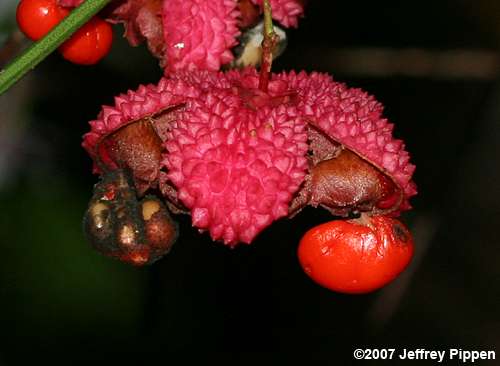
column 157, row 223
column 120, row 226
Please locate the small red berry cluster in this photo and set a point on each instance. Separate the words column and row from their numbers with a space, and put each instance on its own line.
column 86, row 47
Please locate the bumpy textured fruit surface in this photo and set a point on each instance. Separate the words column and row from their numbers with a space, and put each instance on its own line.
column 199, row 34
column 236, row 167
column 238, row 158
column 356, row 256
column 194, row 34
column 286, row 12
column 354, row 119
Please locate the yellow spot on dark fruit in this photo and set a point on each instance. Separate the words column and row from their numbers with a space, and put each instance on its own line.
column 127, row 236
column 149, row 208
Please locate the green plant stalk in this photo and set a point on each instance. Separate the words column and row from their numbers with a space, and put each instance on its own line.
column 268, row 44
column 45, row 46
column 268, row 19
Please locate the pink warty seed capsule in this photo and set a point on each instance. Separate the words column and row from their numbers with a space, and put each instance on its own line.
column 238, row 159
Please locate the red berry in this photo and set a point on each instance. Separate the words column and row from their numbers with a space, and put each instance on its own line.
column 86, row 47
column 37, row 17
column 356, row 256
column 89, row 44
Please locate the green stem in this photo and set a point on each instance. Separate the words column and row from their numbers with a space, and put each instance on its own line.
column 268, row 19
column 268, row 44
column 41, row 49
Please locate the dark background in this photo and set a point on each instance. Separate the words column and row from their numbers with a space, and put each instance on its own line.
column 434, row 65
